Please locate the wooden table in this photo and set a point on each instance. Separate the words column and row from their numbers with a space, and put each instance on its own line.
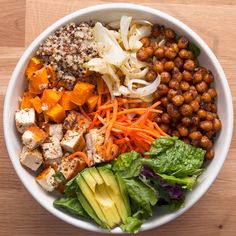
column 22, row 20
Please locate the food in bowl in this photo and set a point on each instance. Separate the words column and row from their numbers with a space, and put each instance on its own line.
column 118, row 119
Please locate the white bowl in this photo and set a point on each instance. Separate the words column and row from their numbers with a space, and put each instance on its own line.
column 108, row 13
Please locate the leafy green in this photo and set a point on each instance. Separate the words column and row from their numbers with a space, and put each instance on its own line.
column 59, row 177
column 128, row 165
column 70, row 187
column 131, row 225
column 141, row 193
column 185, row 182
column 70, row 204
column 194, row 48
column 171, row 156
column 88, row 208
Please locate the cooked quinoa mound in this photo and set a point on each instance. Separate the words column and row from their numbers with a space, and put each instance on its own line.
column 67, row 49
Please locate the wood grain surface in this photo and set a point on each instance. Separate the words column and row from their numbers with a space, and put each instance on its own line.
column 22, row 20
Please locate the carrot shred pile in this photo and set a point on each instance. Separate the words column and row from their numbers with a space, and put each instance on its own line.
column 128, row 128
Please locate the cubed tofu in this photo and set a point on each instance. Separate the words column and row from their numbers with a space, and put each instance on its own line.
column 95, row 149
column 71, row 168
column 46, row 179
column 76, row 120
column 51, row 149
column 33, row 137
column 55, row 130
column 24, row 118
column 73, row 141
column 31, row 158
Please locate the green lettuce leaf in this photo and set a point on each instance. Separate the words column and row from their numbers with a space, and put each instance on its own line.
column 171, row 156
column 70, row 187
column 131, row 225
column 128, row 165
column 70, row 204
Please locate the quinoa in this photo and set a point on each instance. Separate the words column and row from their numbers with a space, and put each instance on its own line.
column 67, row 49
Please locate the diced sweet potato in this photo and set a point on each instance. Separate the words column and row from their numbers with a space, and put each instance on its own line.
column 26, row 103
column 33, row 65
column 92, row 102
column 82, row 91
column 37, row 104
column 50, row 97
column 52, row 76
column 56, row 113
column 38, row 81
column 66, row 101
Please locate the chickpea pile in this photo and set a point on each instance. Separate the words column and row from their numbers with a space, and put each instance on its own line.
column 186, row 95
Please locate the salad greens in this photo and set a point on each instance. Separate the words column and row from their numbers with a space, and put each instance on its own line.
column 160, row 180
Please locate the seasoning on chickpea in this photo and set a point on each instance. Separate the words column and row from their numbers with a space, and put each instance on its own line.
column 206, row 125
column 195, row 135
column 212, row 92
column 186, row 110
column 186, row 121
column 151, row 75
column 166, row 118
column 174, row 84
column 162, row 89
column 187, row 75
column 183, row 42
column 171, row 94
column 184, row 86
column 159, row 53
column 202, row 87
column 165, row 77
column 178, row 100
column 178, row 62
column 145, row 41
column 169, row 65
column 156, row 30
column 169, row 33
column 158, row 66
column 142, row 55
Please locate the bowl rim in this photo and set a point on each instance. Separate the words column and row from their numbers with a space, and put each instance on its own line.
column 92, row 9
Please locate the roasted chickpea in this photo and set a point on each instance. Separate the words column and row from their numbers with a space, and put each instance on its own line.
column 170, row 53
column 206, row 97
column 183, row 42
column 190, row 55
column 217, row 124
column 157, row 95
column 159, row 53
column 205, row 142
column 165, row 127
column 187, row 75
column 186, row 110
column 210, row 154
column 183, row 53
column 195, row 135
column 176, row 74
column 149, row 51
column 178, row 100
column 178, row 62
column 164, row 101
column 213, row 108
column 186, row 140
column 195, row 120
column 154, row 45
column 174, row 84
column 184, row 86
column 165, row 77
column 169, row 65
column 145, row 41
column 173, row 110
column 208, row 78
column 158, row 67
column 171, row 94
column 188, row 97
column 175, row 47
column 193, row 90
column 209, row 116
column 151, row 75
column 208, row 106
column 195, row 142
column 183, row 131
column 175, row 133
column 210, row 134
column 212, row 92
column 156, row 30
column 197, row 77
column 192, row 129
column 169, row 33
column 186, row 121
column 142, row 55
column 202, row 87
column 158, row 120
column 189, row 65
column 206, row 125
column 166, row 118
column 195, row 105
column 162, row 89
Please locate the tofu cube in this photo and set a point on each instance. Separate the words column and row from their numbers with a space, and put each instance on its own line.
column 55, row 130
column 24, row 118
column 52, row 149
column 73, row 141
column 46, row 179
column 33, row 137
column 31, row 158
column 71, row 168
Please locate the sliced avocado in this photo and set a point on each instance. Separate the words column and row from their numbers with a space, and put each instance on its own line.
column 124, row 194
column 89, row 210
column 114, row 191
column 89, row 179
column 87, row 192
column 101, row 195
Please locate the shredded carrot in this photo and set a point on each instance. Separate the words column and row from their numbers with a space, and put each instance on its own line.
column 80, row 154
column 84, row 113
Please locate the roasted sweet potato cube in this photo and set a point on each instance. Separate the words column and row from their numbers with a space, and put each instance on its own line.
column 92, row 102
column 37, row 104
column 26, row 100
column 66, row 101
column 56, row 113
column 33, row 65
